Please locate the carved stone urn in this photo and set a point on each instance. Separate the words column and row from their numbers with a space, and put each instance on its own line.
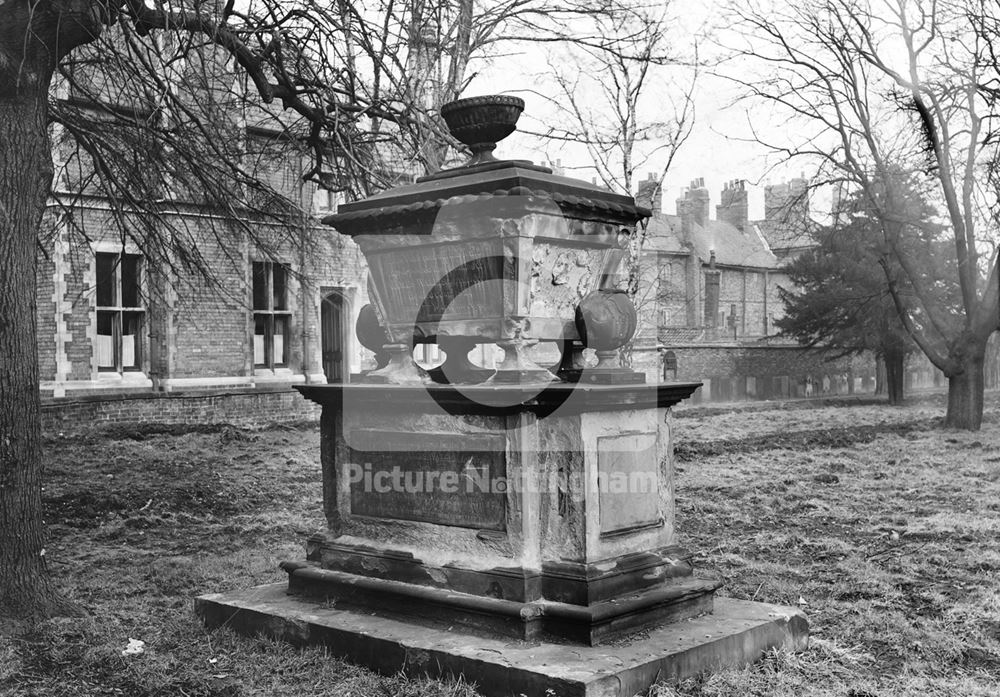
column 493, row 252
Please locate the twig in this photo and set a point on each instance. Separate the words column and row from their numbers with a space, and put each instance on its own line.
column 899, row 547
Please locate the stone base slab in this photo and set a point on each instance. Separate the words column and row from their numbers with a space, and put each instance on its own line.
column 594, row 624
column 736, row 633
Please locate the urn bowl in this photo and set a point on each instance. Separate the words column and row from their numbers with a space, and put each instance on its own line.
column 482, row 120
column 606, row 319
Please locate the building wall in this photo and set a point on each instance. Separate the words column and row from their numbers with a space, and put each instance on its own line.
column 674, row 304
column 197, row 333
column 776, row 280
column 210, row 319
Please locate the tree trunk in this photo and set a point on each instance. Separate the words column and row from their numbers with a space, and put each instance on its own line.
column 25, row 178
column 880, row 375
column 965, row 389
column 895, row 371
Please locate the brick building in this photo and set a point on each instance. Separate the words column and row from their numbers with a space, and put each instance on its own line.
column 124, row 336
column 786, row 224
column 710, row 297
column 110, row 325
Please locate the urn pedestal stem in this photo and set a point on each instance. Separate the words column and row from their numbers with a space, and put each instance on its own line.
column 400, row 370
column 607, row 360
column 457, row 368
column 517, row 367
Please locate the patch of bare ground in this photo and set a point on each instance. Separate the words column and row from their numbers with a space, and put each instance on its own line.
column 885, row 527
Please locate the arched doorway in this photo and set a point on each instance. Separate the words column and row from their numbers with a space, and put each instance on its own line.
column 333, row 321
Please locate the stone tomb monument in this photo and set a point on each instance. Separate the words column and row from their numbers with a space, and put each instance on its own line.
column 514, row 526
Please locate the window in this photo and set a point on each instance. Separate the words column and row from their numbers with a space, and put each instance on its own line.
column 270, row 314
column 120, row 315
column 326, row 200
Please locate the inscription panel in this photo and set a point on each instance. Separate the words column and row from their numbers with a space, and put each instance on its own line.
column 628, row 482
column 443, row 478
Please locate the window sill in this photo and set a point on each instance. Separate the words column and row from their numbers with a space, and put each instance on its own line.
column 129, row 377
column 285, row 375
column 104, row 381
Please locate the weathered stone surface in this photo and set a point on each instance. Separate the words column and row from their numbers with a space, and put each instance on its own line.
column 628, row 483
column 480, row 400
column 582, row 496
column 509, row 583
column 737, row 632
column 442, row 478
column 597, row 622
column 583, row 584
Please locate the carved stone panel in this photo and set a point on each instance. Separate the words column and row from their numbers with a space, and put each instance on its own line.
column 450, row 281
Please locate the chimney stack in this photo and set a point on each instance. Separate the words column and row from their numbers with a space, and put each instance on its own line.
column 787, row 202
column 711, row 309
column 734, row 207
column 650, row 194
column 694, row 204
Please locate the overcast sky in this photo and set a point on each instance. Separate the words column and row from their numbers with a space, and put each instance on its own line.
column 714, row 151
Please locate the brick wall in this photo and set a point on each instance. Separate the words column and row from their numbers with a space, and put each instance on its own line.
column 210, row 319
column 246, row 409
column 45, row 317
column 764, row 373
column 79, row 294
column 734, row 372
column 672, row 295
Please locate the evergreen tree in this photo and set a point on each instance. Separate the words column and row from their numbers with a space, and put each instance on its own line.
column 842, row 297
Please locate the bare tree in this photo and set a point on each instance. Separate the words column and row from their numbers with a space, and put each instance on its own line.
column 890, row 97
column 151, row 118
column 626, row 100
column 148, row 107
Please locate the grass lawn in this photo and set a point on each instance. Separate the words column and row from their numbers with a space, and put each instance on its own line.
column 884, row 527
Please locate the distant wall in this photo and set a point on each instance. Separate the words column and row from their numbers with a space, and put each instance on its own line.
column 736, row 372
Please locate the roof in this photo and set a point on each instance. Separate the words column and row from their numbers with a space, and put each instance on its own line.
column 781, row 235
column 731, row 247
column 664, row 235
